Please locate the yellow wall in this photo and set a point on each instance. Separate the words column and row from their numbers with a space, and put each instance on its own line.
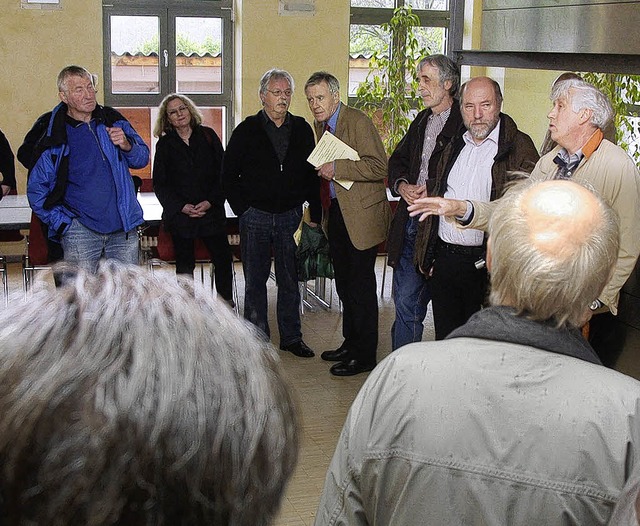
column 526, row 99
column 301, row 44
column 36, row 44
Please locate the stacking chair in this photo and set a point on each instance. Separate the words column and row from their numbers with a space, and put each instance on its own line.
column 382, row 251
column 147, row 234
column 166, row 254
column 36, row 255
column 8, row 236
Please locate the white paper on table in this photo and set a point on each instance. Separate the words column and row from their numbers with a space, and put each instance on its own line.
column 330, row 148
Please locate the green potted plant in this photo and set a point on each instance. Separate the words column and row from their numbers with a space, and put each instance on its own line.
column 389, row 91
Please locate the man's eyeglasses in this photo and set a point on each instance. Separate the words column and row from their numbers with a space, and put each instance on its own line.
column 179, row 109
column 279, row 92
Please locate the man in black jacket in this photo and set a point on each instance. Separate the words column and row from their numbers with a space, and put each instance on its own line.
column 267, row 178
column 7, row 166
column 412, row 168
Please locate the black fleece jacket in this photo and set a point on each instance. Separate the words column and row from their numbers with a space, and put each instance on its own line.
column 252, row 175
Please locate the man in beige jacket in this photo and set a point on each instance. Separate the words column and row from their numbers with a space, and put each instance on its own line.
column 357, row 216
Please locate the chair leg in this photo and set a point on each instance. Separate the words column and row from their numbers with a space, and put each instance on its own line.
column 236, row 299
column 302, row 288
column 384, row 275
column 5, row 279
column 26, row 273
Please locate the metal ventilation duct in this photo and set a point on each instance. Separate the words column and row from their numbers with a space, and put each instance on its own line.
column 561, row 26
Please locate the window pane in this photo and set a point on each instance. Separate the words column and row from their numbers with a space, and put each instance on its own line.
column 428, row 4
column 372, row 3
column 364, row 40
column 198, row 55
column 632, row 136
column 135, row 50
column 431, row 39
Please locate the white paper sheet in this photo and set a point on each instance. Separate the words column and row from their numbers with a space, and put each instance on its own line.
column 330, row 148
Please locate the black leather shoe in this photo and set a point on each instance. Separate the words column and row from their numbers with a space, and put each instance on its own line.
column 339, row 355
column 351, row 367
column 300, row 349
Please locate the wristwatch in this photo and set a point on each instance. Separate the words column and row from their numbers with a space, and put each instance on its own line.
column 596, row 304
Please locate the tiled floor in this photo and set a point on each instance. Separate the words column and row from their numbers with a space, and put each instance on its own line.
column 323, row 399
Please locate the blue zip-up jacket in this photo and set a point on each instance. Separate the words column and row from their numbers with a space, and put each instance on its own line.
column 48, row 178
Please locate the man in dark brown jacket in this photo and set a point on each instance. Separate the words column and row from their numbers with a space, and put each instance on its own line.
column 476, row 165
column 411, row 172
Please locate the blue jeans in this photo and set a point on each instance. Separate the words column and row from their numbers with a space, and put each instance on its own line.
column 261, row 235
column 410, row 293
column 85, row 248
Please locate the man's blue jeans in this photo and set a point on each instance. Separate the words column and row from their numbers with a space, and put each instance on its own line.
column 410, row 293
column 85, row 248
column 261, row 235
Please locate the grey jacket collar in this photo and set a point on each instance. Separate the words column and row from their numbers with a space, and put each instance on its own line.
column 503, row 324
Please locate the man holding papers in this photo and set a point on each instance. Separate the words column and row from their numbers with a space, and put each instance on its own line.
column 352, row 165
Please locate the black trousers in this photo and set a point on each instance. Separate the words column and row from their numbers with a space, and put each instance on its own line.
column 356, row 285
column 220, row 253
column 607, row 337
column 458, row 288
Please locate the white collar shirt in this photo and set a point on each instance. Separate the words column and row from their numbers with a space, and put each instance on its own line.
column 470, row 178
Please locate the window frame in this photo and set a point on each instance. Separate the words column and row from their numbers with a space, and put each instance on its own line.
column 451, row 19
column 167, row 11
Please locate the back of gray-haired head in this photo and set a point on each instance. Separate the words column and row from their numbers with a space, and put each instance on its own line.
column 125, row 400
column 581, row 94
column 274, row 74
column 447, row 69
column 553, row 248
column 323, row 76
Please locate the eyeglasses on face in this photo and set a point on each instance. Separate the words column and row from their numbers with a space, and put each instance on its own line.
column 179, row 109
column 279, row 92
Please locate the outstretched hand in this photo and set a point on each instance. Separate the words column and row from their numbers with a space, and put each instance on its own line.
column 437, row 206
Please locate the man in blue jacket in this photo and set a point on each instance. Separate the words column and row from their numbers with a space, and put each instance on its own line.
column 80, row 185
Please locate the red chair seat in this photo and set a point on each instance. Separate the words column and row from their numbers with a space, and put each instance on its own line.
column 167, row 253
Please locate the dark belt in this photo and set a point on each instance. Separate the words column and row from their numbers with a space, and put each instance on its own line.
column 462, row 250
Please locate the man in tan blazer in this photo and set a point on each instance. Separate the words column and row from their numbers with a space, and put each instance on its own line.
column 356, row 217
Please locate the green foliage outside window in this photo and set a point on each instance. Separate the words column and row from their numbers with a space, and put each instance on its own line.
column 389, row 91
column 623, row 91
column 184, row 45
column 368, row 39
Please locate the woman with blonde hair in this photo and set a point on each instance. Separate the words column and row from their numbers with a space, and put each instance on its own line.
column 186, row 179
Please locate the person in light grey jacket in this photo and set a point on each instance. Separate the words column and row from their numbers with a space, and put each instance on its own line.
column 511, row 420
